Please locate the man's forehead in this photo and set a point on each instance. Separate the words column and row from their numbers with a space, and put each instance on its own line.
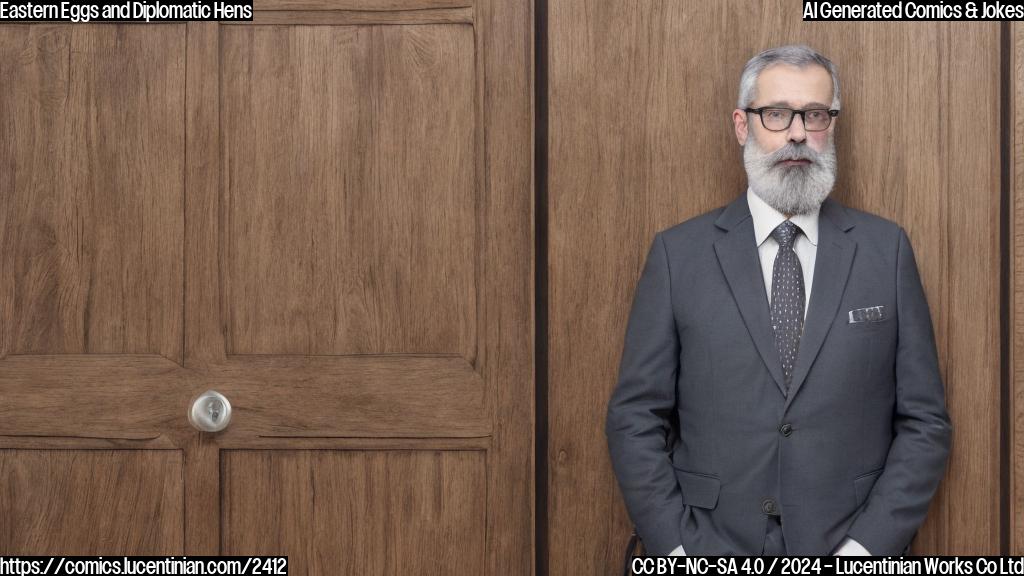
column 792, row 86
column 791, row 104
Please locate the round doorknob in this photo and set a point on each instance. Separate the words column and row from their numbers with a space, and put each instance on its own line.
column 210, row 412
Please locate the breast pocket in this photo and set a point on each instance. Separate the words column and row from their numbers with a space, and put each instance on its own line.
column 867, row 345
column 868, row 313
column 870, row 325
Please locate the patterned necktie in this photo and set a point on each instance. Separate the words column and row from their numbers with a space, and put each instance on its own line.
column 787, row 298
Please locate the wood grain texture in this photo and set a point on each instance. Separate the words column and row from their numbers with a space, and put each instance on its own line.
column 1016, row 292
column 641, row 139
column 505, row 36
column 354, row 512
column 358, row 17
column 432, row 186
column 131, row 397
column 349, row 185
column 356, row 396
column 204, row 341
column 92, row 219
column 129, row 500
column 965, row 515
column 473, row 385
column 359, row 5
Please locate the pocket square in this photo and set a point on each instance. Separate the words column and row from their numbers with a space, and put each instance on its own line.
column 872, row 314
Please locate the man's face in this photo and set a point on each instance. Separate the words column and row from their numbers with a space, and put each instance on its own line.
column 793, row 170
column 787, row 87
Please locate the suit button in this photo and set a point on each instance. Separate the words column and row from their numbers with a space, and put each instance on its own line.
column 769, row 507
column 786, row 429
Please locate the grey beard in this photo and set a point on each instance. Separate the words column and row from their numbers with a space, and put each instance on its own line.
column 791, row 189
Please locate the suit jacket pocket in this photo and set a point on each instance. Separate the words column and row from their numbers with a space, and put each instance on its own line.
column 699, row 490
column 863, row 484
column 870, row 325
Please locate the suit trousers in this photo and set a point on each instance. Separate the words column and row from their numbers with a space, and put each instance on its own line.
column 774, row 543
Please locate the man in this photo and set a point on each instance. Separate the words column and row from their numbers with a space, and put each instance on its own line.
column 779, row 391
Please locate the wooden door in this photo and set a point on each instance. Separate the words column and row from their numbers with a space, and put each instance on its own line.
column 326, row 216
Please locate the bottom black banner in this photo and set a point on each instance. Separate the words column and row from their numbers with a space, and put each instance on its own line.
column 750, row 565
column 157, row 565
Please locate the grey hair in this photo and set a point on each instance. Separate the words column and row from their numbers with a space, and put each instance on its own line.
column 798, row 55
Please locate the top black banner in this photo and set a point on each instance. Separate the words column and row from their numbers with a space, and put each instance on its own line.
column 976, row 10
column 127, row 11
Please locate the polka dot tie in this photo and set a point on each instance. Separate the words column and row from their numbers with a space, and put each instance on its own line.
column 787, row 298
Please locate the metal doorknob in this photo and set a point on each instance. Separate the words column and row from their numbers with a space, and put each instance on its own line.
column 210, row 412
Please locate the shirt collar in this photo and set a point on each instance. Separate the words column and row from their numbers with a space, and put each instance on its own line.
column 767, row 219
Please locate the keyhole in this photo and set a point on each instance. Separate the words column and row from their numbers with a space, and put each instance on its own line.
column 214, row 408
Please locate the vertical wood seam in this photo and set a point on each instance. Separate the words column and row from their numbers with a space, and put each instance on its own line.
column 1005, row 173
column 540, row 263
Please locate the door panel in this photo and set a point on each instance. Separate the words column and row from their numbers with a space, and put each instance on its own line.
column 128, row 500
column 92, row 184
column 349, row 189
column 376, row 512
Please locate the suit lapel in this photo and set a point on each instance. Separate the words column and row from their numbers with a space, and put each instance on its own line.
column 737, row 254
column 831, row 270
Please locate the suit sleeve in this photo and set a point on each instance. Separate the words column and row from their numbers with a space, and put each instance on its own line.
column 637, row 424
column 899, row 500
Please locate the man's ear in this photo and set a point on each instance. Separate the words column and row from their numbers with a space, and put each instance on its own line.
column 739, row 122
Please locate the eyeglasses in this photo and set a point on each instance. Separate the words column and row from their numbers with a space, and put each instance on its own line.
column 779, row 119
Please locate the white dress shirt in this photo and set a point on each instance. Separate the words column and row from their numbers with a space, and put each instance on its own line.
column 765, row 220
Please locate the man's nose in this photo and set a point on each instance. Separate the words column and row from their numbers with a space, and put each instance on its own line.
column 797, row 131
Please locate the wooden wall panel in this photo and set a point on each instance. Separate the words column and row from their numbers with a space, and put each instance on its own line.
column 92, row 182
column 358, row 512
column 1015, row 296
column 131, row 502
column 641, row 138
column 965, row 516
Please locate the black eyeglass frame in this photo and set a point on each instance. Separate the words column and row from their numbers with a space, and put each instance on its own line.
column 832, row 113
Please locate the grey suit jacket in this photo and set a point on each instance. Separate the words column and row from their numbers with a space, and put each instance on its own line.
column 703, row 437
